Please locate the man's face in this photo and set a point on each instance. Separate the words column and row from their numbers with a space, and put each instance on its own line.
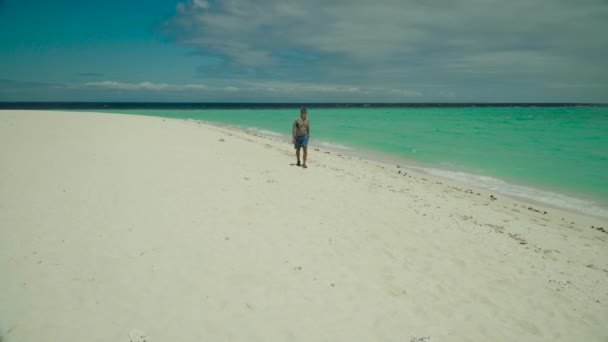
column 303, row 114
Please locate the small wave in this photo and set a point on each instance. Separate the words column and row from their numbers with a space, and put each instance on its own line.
column 265, row 132
column 332, row 145
column 542, row 196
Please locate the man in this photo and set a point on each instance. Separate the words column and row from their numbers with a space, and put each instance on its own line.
column 300, row 133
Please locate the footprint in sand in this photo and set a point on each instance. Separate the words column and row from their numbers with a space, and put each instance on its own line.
column 137, row 336
column 421, row 339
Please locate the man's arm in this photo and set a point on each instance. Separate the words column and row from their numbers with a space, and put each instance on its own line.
column 293, row 131
column 308, row 128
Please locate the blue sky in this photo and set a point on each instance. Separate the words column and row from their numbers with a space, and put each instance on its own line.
column 311, row 51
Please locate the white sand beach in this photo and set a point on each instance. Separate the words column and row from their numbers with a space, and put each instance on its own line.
column 130, row 228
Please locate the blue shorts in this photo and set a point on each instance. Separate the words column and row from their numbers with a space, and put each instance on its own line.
column 301, row 141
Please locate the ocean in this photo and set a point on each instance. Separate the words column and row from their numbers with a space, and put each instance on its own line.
column 557, row 155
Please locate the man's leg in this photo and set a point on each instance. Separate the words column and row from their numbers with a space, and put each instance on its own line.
column 298, row 155
column 305, row 154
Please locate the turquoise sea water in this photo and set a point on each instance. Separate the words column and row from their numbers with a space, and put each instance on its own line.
column 556, row 155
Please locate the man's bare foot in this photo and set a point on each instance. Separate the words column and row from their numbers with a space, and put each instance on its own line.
column 298, row 163
column 304, row 166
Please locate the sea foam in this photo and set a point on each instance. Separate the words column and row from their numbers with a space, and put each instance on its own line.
column 520, row 191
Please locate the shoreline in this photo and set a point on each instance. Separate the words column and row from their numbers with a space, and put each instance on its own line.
column 571, row 202
column 179, row 230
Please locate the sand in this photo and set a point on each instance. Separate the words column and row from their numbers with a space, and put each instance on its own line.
column 130, row 228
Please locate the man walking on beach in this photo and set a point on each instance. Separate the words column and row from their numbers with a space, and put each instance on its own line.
column 300, row 133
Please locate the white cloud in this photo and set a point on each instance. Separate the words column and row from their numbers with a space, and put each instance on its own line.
column 407, row 93
column 260, row 87
column 144, row 86
column 374, row 31
column 564, row 85
column 113, row 85
column 200, row 4
column 395, row 43
column 196, row 86
column 447, row 93
column 286, row 86
column 327, row 89
column 153, row 86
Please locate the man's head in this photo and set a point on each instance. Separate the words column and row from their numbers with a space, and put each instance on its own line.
column 303, row 113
